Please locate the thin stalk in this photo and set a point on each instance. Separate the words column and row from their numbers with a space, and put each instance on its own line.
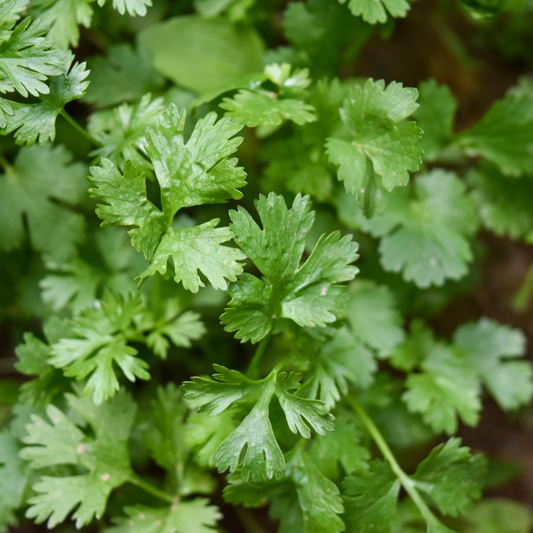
column 151, row 489
column 253, row 368
column 78, row 128
column 156, row 295
column 406, row 482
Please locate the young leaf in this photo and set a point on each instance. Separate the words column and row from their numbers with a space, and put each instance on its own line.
column 425, row 234
column 263, row 458
column 504, row 135
column 133, row 7
column 32, row 121
column 370, row 498
column 27, row 189
column 307, row 294
column 376, row 11
column 195, row 173
column 106, row 458
column 318, row 503
column 100, row 343
column 451, row 477
column 382, row 145
column 491, row 350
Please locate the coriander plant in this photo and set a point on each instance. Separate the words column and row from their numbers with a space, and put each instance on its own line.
column 224, row 252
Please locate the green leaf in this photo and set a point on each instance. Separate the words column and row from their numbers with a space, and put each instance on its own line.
column 382, row 146
column 451, row 477
column 376, row 11
column 197, row 249
column 336, row 363
column 124, row 75
column 370, row 498
column 133, row 7
column 425, row 232
column 195, row 173
column 482, row 9
column 105, row 457
column 14, row 477
column 503, row 202
column 100, row 343
column 32, row 121
column 373, row 316
column 121, row 132
column 194, row 516
column 504, row 135
column 253, row 442
column 63, row 17
column 31, row 188
column 498, row 515
column 307, row 294
column 491, row 350
column 435, row 116
column 446, row 388
column 201, row 54
column 318, row 500
column 27, row 59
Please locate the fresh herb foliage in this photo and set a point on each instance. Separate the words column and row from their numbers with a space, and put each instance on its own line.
column 354, row 212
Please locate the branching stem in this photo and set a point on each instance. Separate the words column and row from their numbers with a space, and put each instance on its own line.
column 406, row 482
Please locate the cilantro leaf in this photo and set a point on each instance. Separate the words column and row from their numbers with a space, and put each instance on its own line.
column 451, row 477
column 194, row 516
column 445, row 387
column 373, row 11
column 373, row 317
column 263, row 458
column 332, row 454
column 27, row 59
column 100, row 343
column 504, row 135
column 307, row 294
column 14, row 477
column 267, row 108
column 370, row 498
column 503, row 202
column 32, row 121
column 335, row 363
column 63, row 17
column 491, row 350
column 318, row 501
column 124, row 75
column 133, row 7
column 195, row 173
column 121, row 132
column 38, row 176
column 425, row 234
column 105, row 457
column 435, row 116
column 382, row 145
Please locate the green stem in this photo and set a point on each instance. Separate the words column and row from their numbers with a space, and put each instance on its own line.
column 407, row 483
column 253, row 368
column 522, row 296
column 78, row 128
column 136, row 480
column 156, row 295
